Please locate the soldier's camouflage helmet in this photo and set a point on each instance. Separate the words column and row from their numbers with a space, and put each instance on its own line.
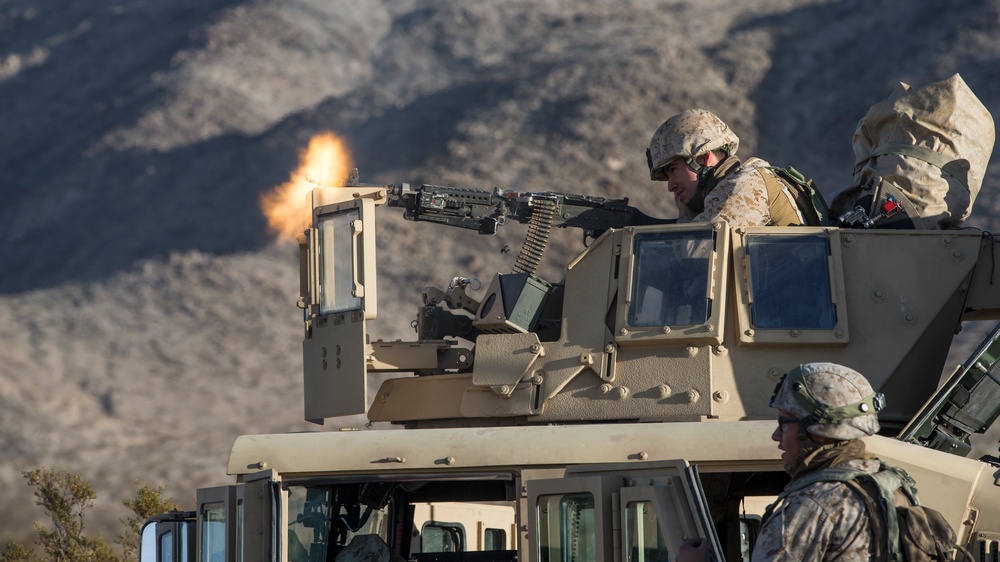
column 830, row 400
column 687, row 135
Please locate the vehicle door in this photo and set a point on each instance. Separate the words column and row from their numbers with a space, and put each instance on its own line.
column 629, row 512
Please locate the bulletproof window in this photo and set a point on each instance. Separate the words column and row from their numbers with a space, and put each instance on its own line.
column 309, row 522
column 494, row 539
column 424, row 520
column 185, row 543
column 670, row 283
column 790, row 286
column 167, row 546
column 644, row 540
column 442, row 537
column 790, row 282
column 240, row 514
column 213, row 532
column 567, row 528
column 337, row 253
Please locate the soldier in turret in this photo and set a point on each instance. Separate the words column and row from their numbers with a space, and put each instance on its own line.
column 695, row 153
column 824, row 410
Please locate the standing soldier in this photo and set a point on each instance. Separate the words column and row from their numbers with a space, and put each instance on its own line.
column 695, row 153
column 824, row 410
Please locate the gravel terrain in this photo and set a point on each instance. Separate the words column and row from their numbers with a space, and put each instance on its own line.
column 147, row 316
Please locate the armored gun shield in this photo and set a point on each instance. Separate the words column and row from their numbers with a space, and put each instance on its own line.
column 338, row 296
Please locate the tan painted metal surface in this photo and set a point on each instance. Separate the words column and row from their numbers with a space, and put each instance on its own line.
column 484, row 448
column 897, row 298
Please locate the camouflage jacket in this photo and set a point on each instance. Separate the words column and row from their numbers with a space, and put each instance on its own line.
column 823, row 522
column 741, row 199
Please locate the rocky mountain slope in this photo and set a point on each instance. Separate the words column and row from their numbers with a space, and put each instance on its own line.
column 146, row 313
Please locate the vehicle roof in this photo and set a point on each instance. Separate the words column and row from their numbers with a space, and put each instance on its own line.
column 707, row 443
column 946, row 481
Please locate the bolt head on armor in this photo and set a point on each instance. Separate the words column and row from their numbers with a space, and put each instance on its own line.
column 687, row 135
column 830, row 400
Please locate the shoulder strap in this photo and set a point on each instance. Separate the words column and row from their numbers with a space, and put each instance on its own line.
column 951, row 167
column 886, row 481
column 881, row 546
column 892, row 478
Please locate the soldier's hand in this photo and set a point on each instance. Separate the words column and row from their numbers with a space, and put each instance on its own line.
column 693, row 550
column 683, row 211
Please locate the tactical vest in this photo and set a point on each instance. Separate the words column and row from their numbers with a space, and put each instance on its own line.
column 903, row 530
column 793, row 200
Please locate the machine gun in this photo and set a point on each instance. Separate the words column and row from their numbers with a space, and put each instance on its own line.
column 484, row 211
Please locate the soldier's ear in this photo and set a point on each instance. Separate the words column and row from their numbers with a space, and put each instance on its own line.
column 708, row 159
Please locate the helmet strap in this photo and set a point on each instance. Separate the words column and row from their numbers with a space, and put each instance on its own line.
column 821, row 413
column 708, row 178
column 697, row 202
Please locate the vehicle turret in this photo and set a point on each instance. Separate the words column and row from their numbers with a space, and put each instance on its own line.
column 652, row 321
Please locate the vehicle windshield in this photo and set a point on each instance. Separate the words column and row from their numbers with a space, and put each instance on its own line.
column 428, row 516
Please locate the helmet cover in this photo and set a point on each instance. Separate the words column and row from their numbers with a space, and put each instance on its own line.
column 830, row 400
column 687, row 135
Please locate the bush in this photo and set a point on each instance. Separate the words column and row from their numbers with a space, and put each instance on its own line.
column 66, row 498
column 148, row 501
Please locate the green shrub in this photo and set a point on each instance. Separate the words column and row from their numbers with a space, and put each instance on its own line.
column 66, row 498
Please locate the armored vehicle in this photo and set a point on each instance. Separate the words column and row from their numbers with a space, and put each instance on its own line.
column 610, row 414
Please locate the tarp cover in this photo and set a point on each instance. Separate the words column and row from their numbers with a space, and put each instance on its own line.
column 933, row 143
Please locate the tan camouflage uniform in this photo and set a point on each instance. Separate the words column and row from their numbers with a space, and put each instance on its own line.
column 821, row 523
column 737, row 194
column 825, row 521
column 741, row 199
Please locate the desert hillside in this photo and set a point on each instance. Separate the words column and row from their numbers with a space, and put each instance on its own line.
column 147, row 315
